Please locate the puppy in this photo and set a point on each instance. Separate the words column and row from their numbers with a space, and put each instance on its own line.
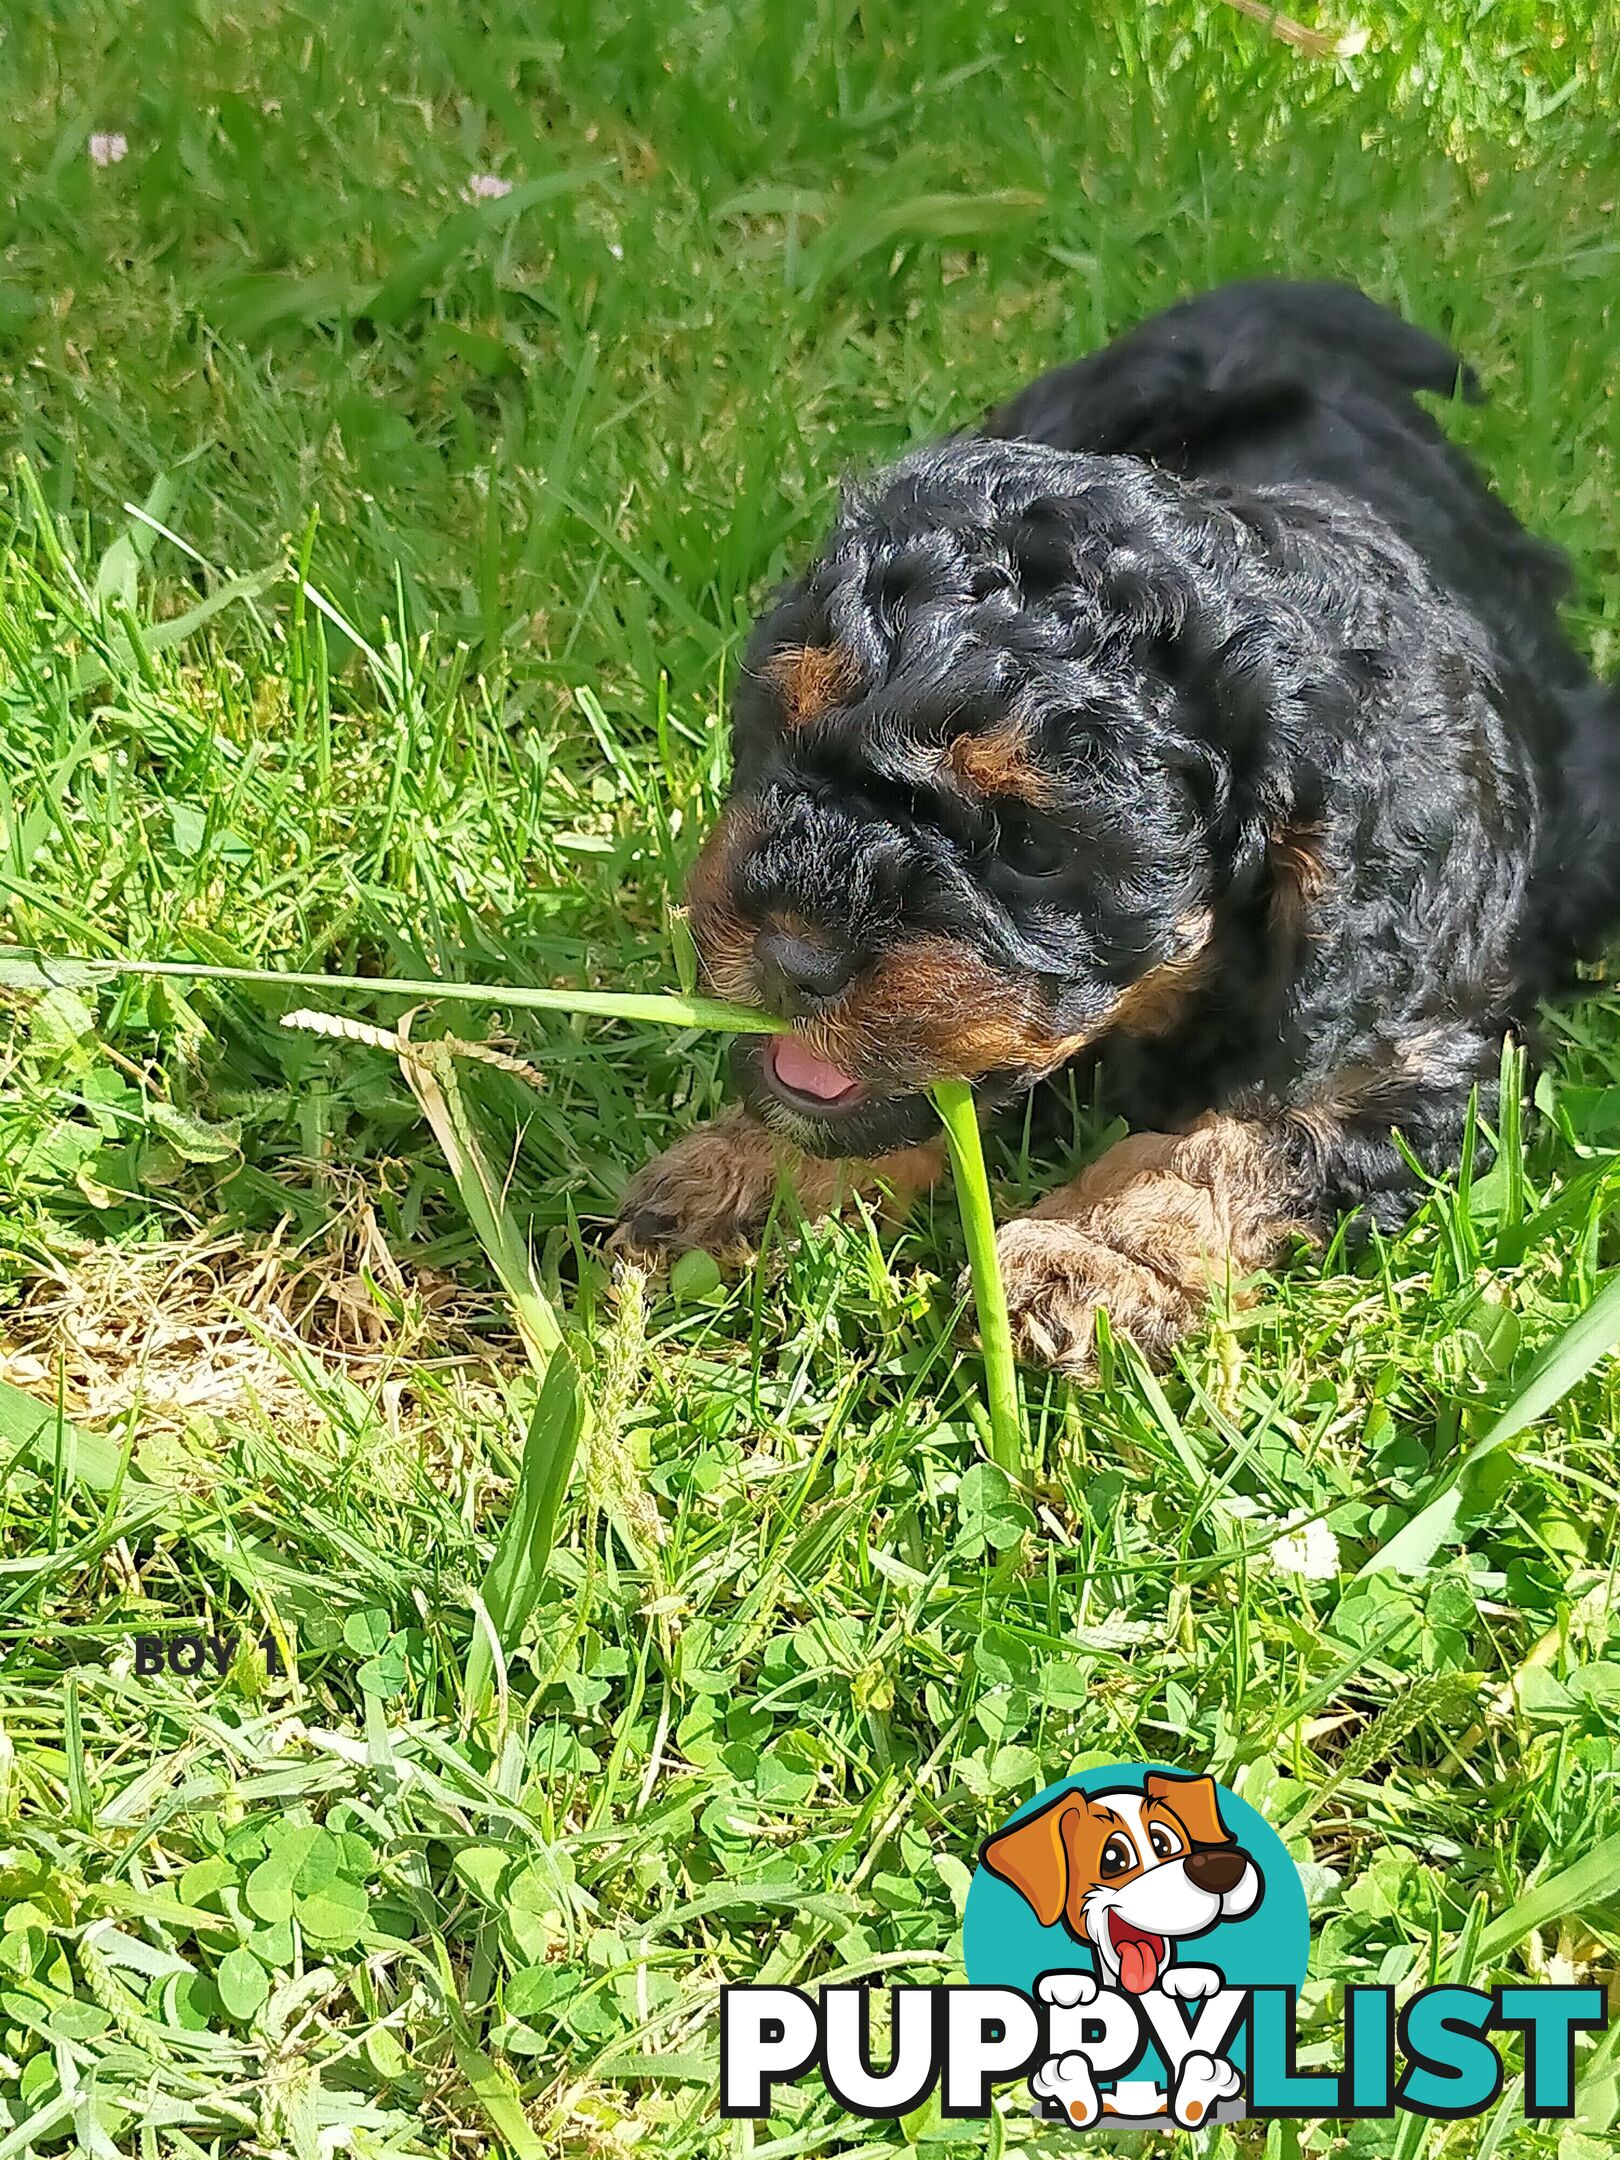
column 1205, row 713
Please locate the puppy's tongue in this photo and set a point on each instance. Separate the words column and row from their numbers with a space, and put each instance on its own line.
column 1140, row 1955
column 798, row 1067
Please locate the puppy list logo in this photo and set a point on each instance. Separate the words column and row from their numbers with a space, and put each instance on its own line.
column 1135, row 1941
column 1140, row 1907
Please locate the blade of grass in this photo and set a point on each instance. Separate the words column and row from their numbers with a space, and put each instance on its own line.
column 56, row 1445
column 1586, row 1882
column 429, row 1070
column 517, row 1573
column 496, row 2093
column 93, row 671
column 1568, row 1359
column 953, row 1099
column 405, row 288
column 23, row 969
column 57, row 1448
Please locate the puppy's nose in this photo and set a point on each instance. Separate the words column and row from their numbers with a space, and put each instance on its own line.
column 800, row 970
column 1217, row 1870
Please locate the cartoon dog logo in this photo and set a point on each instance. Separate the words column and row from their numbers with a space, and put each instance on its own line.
column 1131, row 1874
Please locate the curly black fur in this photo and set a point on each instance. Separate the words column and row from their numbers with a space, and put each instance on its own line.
column 1285, row 720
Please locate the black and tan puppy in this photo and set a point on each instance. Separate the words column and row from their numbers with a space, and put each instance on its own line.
column 1207, row 711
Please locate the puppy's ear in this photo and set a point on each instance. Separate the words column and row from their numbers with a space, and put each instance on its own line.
column 1033, row 1857
column 1196, row 1804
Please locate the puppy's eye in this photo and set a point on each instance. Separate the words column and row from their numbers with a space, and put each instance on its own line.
column 1163, row 1841
column 1118, row 1856
column 1029, row 845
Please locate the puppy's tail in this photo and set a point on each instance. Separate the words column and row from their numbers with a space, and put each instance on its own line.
column 1229, row 362
column 1269, row 382
column 1340, row 320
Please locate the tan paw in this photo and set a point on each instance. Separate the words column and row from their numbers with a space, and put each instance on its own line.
column 1057, row 1275
column 1146, row 1232
column 710, row 1192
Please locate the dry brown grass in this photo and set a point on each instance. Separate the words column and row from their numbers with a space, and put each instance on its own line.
column 224, row 1326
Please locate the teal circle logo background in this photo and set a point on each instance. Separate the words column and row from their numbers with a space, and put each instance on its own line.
column 1004, row 1945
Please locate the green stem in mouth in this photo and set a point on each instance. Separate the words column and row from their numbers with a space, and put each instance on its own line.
column 953, row 1099
column 21, row 969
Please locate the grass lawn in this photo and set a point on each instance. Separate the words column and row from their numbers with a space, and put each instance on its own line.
column 800, row 1647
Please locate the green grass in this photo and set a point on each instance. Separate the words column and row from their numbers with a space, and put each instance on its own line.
column 498, row 487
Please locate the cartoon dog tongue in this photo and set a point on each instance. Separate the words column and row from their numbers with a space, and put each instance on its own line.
column 1139, row 1955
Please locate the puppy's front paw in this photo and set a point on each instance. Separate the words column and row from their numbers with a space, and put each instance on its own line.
column 1202, row 2083
column 1191, row 1983
column 1146, row 1232
column 710, row 1192
column 1057, row 1275
column 1064, row 2090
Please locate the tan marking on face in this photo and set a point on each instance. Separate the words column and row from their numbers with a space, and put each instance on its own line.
column 1299, row 877
column 998, row 763
column 1155, row 1001
column 932, row 1009
column 929, row 1009
column 810, row 679
column 725, row 943
column 933, row 999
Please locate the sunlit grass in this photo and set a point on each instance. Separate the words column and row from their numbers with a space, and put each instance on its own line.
column 22, row 970
column 655, row 1632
